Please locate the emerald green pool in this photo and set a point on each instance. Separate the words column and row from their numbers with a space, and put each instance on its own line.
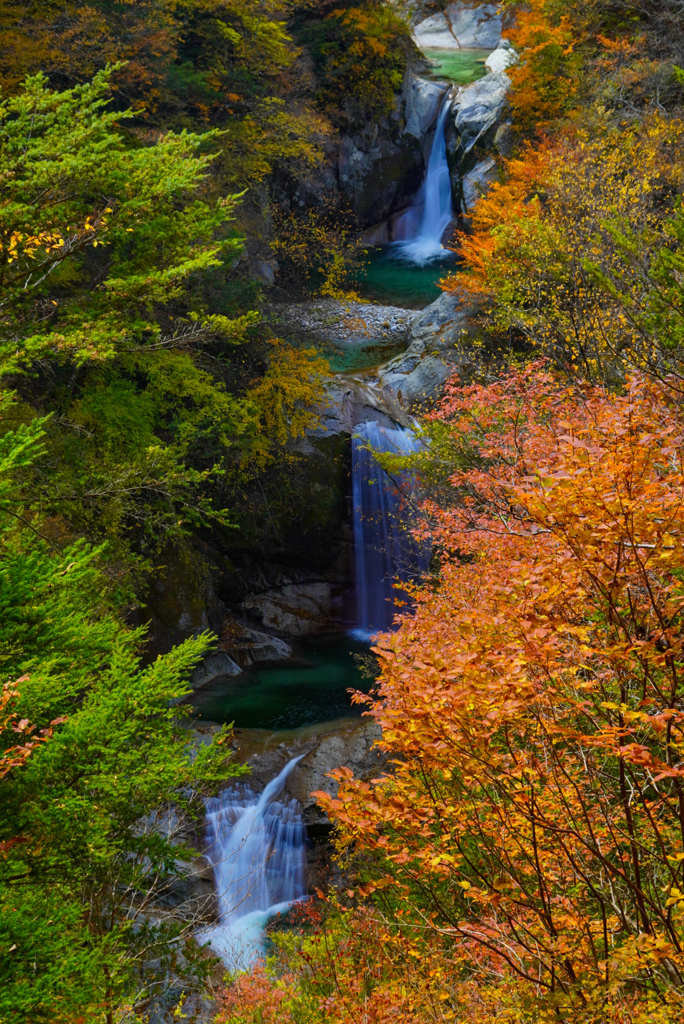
column 460, row 66
column 350, row 357
column 311, row 688
column 390, row 280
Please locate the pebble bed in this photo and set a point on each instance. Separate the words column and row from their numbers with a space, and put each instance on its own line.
column 335, row 320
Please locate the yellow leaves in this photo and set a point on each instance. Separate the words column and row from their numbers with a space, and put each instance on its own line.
column 29, row 246
column 676, row 898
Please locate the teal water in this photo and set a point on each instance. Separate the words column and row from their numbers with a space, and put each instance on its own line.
column 309, row 689
column 460, row 66
column 390, row 280
column 352, row 357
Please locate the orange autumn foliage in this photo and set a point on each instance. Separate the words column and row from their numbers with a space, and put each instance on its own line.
column 506, row 201
column 551, row 248
column 545, row 81
column 533, row 820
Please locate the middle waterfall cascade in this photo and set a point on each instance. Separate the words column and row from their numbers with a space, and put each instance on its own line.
column 384, row 549
column 423, row 239
column 257, row 848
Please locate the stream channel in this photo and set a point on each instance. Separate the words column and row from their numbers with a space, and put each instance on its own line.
column 256, row 843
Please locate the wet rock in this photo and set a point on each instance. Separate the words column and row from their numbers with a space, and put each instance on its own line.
column 354, row 748
column 346, row 743
column 214, row 666
column 460, row 26
column 357, row 398
column 423, row 101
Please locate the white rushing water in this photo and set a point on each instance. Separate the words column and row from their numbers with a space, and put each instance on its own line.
column 257, row 847
column 384, row 550
column 432, row 213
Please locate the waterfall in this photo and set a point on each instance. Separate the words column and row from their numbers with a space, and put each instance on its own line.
column 423, row 239
column 256, row 846
column 384, row 549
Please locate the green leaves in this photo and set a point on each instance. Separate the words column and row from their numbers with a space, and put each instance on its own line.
column 94, row 225
column 95, row 826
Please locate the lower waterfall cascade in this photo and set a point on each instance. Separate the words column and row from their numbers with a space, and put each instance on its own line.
column 384, row 550
column 423, row 226
column 256, row 845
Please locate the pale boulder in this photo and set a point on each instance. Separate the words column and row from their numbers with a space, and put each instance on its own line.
column 502, row 58
column 460, row 27
column 478, row 107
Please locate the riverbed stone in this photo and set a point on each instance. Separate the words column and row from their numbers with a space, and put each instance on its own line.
column 342, row 320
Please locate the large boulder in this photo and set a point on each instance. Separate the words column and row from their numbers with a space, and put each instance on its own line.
column 440, row 325
column 296, row 609
column 477, row 109
column 216, row 665
column 502, row 58
column 246, row 646
column 438, row 346
column 460, row 27
column 423, row 101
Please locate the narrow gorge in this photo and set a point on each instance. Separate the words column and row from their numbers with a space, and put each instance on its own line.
column 342, row 512
column 292, row 651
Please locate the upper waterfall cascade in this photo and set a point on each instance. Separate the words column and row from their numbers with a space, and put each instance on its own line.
column 427, row 220
column 384, row 550
column 257, row 848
